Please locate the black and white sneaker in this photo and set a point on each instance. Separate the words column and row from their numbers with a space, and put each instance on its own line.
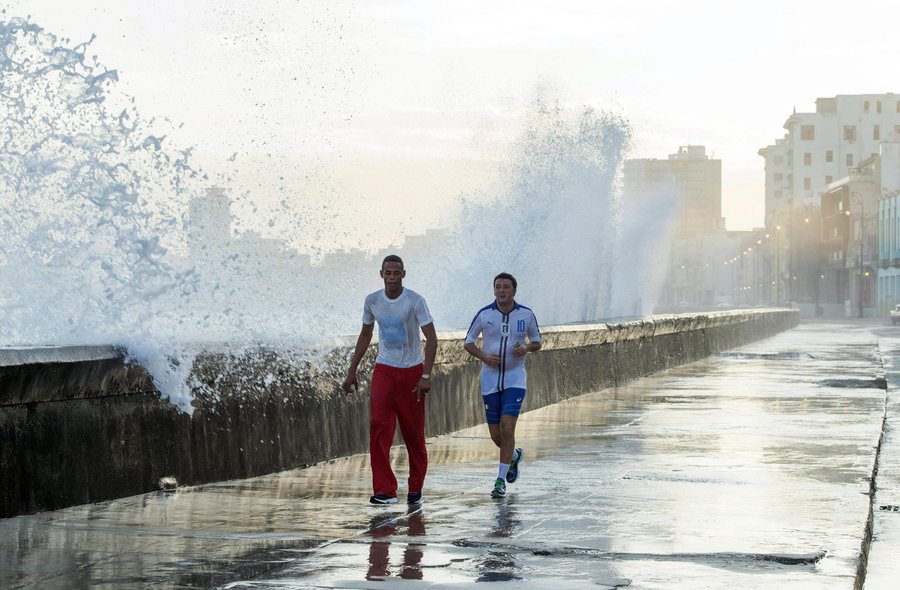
column 513, row 474
column 414, row 498
column 383, row 499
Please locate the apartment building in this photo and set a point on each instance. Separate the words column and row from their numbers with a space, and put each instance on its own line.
column 693, row 181
column 692, row 177
column 818, row 151
column 822, row 147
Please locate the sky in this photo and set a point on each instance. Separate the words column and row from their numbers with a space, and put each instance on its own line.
column 387, row 111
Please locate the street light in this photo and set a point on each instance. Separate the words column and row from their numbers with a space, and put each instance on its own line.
column 858, row 198
column 778, row 265
column 818, row 293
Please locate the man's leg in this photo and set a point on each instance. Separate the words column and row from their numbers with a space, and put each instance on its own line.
column 411, row 414
column 492, row 407
column 382, row 423
column 511, row 404
column 494, row 429
column 507, row 428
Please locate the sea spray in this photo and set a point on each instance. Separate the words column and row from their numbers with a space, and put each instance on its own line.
column 552, row 223
column 110, row 235
column 95, row 241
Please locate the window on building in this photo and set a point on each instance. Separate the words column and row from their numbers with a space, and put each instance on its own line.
column 780, row 159
column 807, row 159
column 828, row 180
column 850, row 132
column 896, row 128
column 878, row 106
column 866, row 106
column 779, row 194
column 829, row 155
column 807, row 132
column 876, row 132
column 807, row 184
column 778, row 176
column 849, row 159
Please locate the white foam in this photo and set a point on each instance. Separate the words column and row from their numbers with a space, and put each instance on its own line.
column 96, row 243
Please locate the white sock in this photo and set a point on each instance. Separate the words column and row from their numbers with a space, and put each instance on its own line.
column 504, row 467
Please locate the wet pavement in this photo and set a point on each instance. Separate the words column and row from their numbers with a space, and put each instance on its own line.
column 750, row 469
column 883, row 568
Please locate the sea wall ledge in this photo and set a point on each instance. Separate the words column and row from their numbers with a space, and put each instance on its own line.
column 81, row 424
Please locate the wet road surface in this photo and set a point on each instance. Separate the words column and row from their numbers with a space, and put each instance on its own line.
column 750, row 469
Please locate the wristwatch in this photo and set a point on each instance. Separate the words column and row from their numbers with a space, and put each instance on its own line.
column 426, row 375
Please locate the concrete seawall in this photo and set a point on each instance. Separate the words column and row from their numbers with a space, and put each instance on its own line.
column 79, row 425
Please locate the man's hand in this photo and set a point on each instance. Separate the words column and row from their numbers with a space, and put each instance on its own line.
column 421, row 388
column 491, row 360
column 362, row 343
column 350, row 383
column 520, row 349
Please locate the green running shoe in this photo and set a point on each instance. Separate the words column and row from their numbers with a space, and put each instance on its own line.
column 513, row 474
column 499, row 490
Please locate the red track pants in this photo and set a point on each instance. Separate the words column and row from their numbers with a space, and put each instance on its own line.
column 393, row 398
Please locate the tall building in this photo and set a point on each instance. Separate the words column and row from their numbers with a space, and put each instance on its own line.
column 778, row 179
column 692, row 177
column 693, row 182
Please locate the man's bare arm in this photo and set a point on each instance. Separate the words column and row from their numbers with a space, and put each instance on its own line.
column 362, row 344
column 424, row 384
column 522, row 350
column 430, row 346
column 488, row 359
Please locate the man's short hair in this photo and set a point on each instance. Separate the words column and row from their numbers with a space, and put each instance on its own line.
column 506, row 275
column 392, row 258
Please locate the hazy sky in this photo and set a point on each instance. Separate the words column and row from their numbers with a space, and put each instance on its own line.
column 401, row 106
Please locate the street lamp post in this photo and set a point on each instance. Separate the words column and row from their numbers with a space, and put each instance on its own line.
column 778, row 265
column 818, row 289
column 792, row 244
column 733, row 294
column 767, row 259
column 812, row 244
column 857, row 198
column 860, row 259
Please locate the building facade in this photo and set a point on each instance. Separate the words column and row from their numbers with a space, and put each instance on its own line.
column 694, row 181
column 888, row 291
column 810, row 172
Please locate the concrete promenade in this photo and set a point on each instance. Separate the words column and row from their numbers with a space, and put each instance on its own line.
column 80, row 425
column 750, row 469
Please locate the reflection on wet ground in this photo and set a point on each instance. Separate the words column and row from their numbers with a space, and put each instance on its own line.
column 379, row 548
column 748, row 469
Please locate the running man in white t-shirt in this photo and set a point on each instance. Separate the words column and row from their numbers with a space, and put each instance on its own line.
column 509, row 331
column 399, row 382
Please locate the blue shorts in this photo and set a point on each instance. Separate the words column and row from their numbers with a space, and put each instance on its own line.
column 503, row 403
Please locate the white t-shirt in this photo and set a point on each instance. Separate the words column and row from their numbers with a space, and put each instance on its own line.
column 399, row 321
column 501, row 332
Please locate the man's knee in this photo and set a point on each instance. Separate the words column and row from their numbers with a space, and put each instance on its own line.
column 379, row 423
